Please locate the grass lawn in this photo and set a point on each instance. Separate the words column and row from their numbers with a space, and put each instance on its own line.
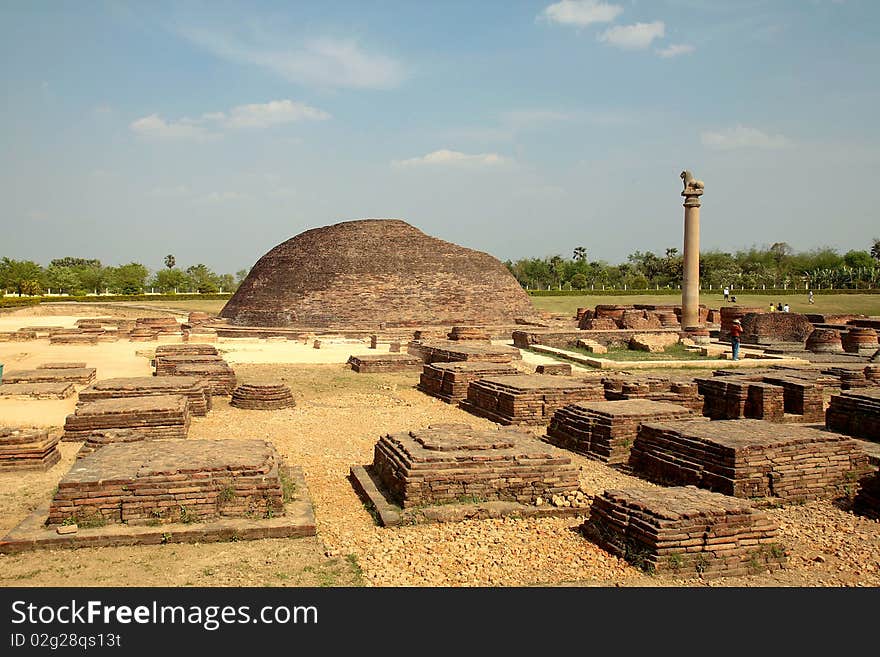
column 673, row 352
column 865, row 304
column 204, row 305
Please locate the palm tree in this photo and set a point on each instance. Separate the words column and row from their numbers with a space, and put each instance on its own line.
column 580, row 253
column 875, row 249
column 170, row 261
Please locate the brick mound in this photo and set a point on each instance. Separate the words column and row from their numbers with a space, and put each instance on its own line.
column 855, row 414
column 448, row 351
column 167, row 325
column 749, row 458
column 198, row 317
column 469, row 333
column 445, row 463
column 375, row 271
column 607, row 430
column 143, row 334
column 175, row 481
column 27, row 449
column 20, row 335
column 37, row 390
column 200, row 334
column 654, row 388
column 153, row 417
column 449, row 381
column 770, row 328
column 191, row 349
column 193, row 388
column 369, row 363
column 563, row 369
column 61, row 366
column 78, row 375
column 73, row 337
column 774, row 397
column 527, row 398
column 166, row 365
column 262, row 397
column 685, row 531
column 218, row 375
column 824, row 341
column 858, row 340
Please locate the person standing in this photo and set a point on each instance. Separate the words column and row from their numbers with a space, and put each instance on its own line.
column 736, row 330
column 727, row 294
column 810, row 296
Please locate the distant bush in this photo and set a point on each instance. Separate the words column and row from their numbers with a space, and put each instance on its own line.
column 140, row 297
column 17, row 302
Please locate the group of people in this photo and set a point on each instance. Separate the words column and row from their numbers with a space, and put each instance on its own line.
column 780, row 307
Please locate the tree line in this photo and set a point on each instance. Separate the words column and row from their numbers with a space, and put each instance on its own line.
column 775, row 266
column 82, row 276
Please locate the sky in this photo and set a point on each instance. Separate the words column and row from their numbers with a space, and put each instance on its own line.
column 215, row 130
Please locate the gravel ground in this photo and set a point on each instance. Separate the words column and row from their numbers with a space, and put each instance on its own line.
column 338, row 417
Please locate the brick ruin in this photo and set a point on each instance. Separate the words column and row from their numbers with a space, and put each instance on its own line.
column 448, row 463
column 653, row 388
column 183, row 481
column 37, row 390
column 777, row 398
column 193, row 349
column 749, row 458
column 606, row 430
column 731, row 313
column 824, row 341
column 27, row 449
column 266, row 397
column 860, row 340
column 196, row 360
column 529, row 399
column 685, row 531
column 193, row 388
column 855, row 413
column 152, row 417
column 218, row 375
column 375, row 271
column 469, row 333
column 609, row 317
column 62, row 366
column 449, row 381
column 562, row 369
column 370, row 363
column 448, row 351
column 72, row 375
column 772, row 328
column 867, row 500
column 163, row 325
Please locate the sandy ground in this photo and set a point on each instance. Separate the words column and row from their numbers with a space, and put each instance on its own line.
column 338, row 417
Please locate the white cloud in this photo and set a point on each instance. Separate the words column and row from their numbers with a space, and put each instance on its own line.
column 633, row 37
column 321, row 62
column 580, row 12
column 445, row 157
column 155, row 127
column 273, row 113
column 255, row 115
column 675, row 50
column 742, row 137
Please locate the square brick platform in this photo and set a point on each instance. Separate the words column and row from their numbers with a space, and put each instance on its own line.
column 152, row 417
column 449, row 381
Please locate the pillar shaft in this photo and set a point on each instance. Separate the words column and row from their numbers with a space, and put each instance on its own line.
column 690, row 287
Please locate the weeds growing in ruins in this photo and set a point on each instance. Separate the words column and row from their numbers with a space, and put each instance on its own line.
column 288, row 486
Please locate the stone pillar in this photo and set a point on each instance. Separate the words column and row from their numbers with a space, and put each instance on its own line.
column 690, row 286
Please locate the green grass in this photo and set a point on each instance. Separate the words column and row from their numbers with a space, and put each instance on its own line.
column 622, row 354
column 203, row 305
column 865, row 304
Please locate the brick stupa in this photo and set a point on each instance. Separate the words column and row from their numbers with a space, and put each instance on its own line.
column 375, row 271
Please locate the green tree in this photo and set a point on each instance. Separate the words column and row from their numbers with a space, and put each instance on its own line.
column 13, row 273
column 578, row 281
column 170, row 261
column 241, row 274
column 857, row 259
column 169, row 280
column 202, row 279
column 64, row 280
column 30, row 287
column 128, row 279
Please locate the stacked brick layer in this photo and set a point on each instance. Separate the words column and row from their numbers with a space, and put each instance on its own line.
column 529, row 399
column 369, row 363
column 191, row 387
column 38, row 390
column 27, row 449
column 749, row 458
column 262, row 397
column 62, row 366
column 556, row 368
column 78, row 375
column 449, row 351
column 190, row 349
column 175, row 481
column 218, row 375
column 685, row 531
column 855, row 413
column 653, row 388
column 607, row 430
column 867, row 500
column 152, row 417
column 469, row 333
column 159, row 324
column 449, row 381
column 763, row 396
column 446, row 463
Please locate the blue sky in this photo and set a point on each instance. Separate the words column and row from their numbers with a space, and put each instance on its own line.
column 214, row 130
